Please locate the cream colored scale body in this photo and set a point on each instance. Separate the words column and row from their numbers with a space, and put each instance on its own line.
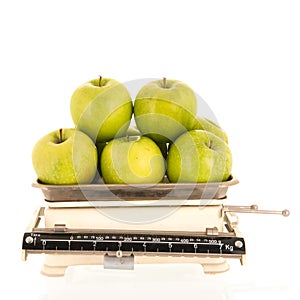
column 160, row 209
column 184, row 218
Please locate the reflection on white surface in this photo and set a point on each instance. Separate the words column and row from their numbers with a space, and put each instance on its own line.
column 145, row 282
column 164, row 281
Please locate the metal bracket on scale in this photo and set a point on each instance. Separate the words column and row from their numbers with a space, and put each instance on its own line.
column 118, row 261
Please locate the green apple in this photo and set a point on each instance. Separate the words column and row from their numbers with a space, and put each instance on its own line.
column 65, row 156
column 132, row 160
column 102, row 108
column 199, row 156
column 163, row 109
column 202, row 123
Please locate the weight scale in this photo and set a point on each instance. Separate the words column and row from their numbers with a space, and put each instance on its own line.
column 117, row 226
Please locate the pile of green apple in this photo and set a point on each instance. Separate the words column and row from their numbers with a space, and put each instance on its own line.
column 157, row 137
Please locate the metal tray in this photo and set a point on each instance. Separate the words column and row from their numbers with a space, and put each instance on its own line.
column 112, row 192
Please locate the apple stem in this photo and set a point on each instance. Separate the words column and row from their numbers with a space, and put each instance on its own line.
column 164, row 82
column 60, row 135
column 100, row 78
column 211, row 142
column 127, row 136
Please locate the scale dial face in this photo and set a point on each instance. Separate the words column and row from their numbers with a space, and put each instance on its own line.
column 134, row 243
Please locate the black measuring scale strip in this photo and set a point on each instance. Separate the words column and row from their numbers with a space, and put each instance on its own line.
column 183, row 243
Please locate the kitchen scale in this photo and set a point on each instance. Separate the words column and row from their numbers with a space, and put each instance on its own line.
column 119, row 225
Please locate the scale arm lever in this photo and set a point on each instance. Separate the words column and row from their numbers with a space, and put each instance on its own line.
column 254, row 209
column 232, row 219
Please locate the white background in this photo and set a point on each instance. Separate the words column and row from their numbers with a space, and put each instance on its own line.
column 242, row 57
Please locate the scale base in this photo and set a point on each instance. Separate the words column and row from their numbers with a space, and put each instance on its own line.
column 56, row 264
